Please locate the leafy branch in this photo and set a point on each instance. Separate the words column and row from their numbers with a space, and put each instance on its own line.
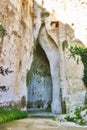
column 76, row 51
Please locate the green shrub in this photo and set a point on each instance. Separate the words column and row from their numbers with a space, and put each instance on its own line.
column 71, row 119
column 9, row 115
column 77, row 117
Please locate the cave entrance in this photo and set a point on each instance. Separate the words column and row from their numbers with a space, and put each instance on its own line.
column 39, row 82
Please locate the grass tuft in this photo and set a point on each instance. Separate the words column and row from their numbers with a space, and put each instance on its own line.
column 7, row 115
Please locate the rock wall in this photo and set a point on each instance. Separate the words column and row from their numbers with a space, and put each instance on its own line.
column 16, row 16
column 51, row 24
column 62, row 21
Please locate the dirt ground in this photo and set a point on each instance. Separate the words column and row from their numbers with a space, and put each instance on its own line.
column 39, row 124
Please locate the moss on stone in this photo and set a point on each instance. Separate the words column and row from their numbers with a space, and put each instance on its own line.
column 29, row 77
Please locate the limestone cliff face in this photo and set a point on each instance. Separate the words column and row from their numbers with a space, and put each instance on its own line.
column 50, row 24
column 16, row 16
column 56, row 22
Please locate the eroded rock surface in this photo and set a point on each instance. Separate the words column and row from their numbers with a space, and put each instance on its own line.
column 16, row 54
column 51, row 24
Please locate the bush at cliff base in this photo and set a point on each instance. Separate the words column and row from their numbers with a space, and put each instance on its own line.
column 78, row 116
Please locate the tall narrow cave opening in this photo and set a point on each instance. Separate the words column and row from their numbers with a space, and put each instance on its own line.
column 39, row 82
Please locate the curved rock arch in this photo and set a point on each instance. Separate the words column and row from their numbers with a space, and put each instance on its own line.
column 52, row 53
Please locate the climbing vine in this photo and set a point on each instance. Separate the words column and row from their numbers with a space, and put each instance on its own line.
column 75, row 52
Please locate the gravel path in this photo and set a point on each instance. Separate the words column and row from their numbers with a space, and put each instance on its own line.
column 39, row 124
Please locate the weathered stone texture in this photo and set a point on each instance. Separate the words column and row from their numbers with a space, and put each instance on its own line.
column 51, row 24
column 16, row 53
column 63, row 21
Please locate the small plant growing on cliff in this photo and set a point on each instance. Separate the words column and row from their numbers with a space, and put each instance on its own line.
column 4, row 71
column 82, row 52
column 3, row 31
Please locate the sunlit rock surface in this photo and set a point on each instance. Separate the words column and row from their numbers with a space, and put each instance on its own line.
column 16, row 53
column 49, row 23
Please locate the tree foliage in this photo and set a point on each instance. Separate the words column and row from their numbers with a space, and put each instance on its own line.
column 75, row 52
